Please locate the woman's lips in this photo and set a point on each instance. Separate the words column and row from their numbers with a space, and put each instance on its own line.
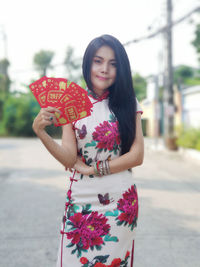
column 102, row 78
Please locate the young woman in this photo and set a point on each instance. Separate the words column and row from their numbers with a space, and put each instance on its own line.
column 101, row 211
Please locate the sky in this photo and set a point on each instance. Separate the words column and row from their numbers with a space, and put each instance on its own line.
column 53, row 25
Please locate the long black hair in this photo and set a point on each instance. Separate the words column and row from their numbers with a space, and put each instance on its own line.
column 122, row 101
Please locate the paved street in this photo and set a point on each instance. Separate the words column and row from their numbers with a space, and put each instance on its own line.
column 32, row 195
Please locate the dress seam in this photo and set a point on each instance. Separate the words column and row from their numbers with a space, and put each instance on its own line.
column 67, row 204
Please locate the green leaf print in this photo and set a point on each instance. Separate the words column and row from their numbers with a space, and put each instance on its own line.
column 120, row 222
column 112, row 213
column 73, row 251
column 101, row 259
column 112, row 118
column 111, row 238
column 98, row 247
column 93, row 143
column 70, row 245
column 86, row 209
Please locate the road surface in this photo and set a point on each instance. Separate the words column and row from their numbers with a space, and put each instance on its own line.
column 32, row 197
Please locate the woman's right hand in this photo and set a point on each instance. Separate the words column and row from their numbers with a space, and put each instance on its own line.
column 43, row 118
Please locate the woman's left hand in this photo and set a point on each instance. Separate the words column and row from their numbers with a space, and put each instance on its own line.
column 82, row 168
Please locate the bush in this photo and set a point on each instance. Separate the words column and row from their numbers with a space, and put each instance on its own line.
column 198, row 145
column 189, row 138
column 19, row 112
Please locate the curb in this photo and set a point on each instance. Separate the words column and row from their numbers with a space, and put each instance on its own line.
column 158, row 145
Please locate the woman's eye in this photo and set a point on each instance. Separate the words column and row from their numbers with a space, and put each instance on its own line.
column 97, row 61
column 114, row 64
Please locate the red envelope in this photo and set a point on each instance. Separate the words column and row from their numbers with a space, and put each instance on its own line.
column 38, row 89
column 67, row 96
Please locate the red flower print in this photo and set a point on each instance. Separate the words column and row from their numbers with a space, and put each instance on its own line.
column 128, row 205
column 115, row 263
column 88, row 229
column 107, row 135
column 127, row 254
column 83, row 260
column 99, row 264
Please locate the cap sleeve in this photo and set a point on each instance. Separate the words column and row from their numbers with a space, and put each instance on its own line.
column 138, row 107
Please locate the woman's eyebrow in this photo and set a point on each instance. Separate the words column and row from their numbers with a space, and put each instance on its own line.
column 103, row 58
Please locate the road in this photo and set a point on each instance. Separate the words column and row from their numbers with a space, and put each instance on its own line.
column 32, row 195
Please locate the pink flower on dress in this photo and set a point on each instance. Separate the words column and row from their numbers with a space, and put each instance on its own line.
column 88, row 229
column 107, row 135
column 128, row 205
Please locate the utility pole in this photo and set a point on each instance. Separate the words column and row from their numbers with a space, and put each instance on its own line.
column 169, row 109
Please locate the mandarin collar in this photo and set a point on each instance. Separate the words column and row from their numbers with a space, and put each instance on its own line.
column 95, row 96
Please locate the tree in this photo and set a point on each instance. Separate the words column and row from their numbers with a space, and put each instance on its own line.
column 4, row 83
column 196, row 41
column 72, row 65
column 139, row 84
column 42, row 61
column 182, row 73
column 19, row 111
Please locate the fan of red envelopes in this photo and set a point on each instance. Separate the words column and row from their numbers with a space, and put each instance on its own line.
column 71, row 99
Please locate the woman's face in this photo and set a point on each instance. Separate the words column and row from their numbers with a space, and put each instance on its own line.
column 103, row 69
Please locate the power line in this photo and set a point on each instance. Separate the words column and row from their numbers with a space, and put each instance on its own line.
column 164, row 28
column 149, row 36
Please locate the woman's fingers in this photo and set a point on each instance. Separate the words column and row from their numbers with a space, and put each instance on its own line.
column 52, row 109
column 45, row 117
column 69, row 169
column 49, row 114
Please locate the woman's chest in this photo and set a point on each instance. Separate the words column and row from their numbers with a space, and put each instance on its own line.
column 99, row 131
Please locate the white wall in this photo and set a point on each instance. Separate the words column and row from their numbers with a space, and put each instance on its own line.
column 191, row 107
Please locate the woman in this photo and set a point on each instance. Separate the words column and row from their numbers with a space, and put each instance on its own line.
column 100, row 218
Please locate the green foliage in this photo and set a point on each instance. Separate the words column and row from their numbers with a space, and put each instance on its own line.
column 182, row 73
column 42, row 61
column 4, row 84
column 18, row 114
column 189, row 138
column 196, row 41
column 139, row 84
column 160, row 93
column 72, row 65
column 4, row 64
column 198, row 145
column 83, row 83
column 192, row 82
column 2, row 129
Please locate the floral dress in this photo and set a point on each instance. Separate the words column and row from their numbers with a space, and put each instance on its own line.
column 100, row 218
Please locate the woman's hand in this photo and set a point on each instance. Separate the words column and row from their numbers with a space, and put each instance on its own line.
column 82, row 168
column 43, row 118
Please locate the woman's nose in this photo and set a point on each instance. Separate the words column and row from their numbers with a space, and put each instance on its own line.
column 104, row 67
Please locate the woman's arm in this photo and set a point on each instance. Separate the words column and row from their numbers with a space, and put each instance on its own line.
column 66, row 153
column 129, row 160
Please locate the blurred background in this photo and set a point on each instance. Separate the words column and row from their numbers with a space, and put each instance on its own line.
column 40, row 38
column 162, row 40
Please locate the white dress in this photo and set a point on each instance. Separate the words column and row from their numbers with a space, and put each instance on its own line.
column 100, row 218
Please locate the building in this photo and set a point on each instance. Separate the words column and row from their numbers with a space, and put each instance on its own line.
column 186, row 108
